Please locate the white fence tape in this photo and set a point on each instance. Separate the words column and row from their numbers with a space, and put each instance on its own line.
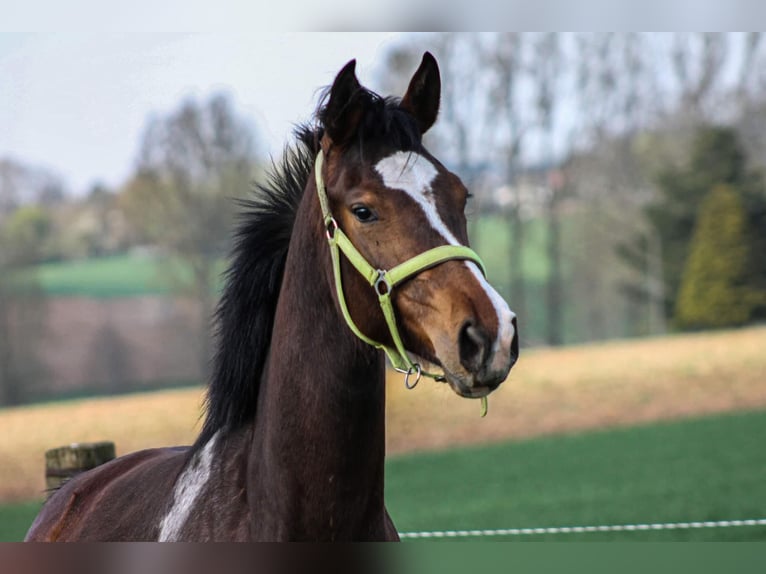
column 579, row 529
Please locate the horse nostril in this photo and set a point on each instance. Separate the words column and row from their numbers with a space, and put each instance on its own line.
column 514, row 343
column 474, row 347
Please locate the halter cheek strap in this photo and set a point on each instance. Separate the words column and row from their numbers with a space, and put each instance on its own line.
column 384, row 281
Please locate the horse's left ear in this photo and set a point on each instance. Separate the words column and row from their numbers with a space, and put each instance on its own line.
column 424, row 92
column 343, row 112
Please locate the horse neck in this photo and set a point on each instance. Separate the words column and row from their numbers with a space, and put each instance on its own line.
column 319, row 441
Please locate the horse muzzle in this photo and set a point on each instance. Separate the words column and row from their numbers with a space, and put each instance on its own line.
column 485, row 362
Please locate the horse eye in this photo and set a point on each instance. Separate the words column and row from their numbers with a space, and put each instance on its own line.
column 363, row 214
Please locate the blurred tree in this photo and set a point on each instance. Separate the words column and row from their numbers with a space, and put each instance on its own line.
column 749, row 84
column 505, row 57
column 191, row 164
column 715, row 289
column 95, row 226
column 630, row 106
column 22, row 184
column 614, row 91
column 22, row 303
column 546, row 66
column 27, row 196
column 465, row 117
column 102, row 201
column 698, row 60
column 717, row 158
column 22, row 326
column 27, row 232
column 613, row 84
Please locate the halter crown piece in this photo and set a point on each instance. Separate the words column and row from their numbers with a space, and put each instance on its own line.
column 384, row 281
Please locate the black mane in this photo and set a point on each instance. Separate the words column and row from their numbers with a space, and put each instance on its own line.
column 245, row 314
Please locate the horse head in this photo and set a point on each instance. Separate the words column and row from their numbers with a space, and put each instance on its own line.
column 395, row 203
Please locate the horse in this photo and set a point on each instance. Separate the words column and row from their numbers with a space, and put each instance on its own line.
column 355, row 248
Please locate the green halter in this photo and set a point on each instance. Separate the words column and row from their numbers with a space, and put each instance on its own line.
column 384, row 281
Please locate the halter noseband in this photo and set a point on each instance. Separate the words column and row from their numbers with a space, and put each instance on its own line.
column 384, row 281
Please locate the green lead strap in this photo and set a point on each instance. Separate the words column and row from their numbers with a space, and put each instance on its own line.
column 384, row 281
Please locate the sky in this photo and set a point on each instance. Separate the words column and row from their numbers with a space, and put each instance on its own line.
column 77, row 103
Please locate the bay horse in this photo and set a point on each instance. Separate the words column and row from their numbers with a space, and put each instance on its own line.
column 356, row 245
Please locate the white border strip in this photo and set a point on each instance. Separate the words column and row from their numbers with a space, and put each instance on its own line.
column 579, row 529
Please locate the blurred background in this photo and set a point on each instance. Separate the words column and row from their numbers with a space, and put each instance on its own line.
column 619, row 202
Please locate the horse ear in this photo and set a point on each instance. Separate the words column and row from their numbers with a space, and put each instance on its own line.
column 424, row 92
column 344, row 110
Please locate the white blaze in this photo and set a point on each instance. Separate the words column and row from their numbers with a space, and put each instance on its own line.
column 187, row 489
column 414, row 174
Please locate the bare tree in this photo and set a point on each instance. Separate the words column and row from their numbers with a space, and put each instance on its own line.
column 607, row 110
column 747, row 77
column 23, row 184
column 26, row 230
column 698, row 61
column 545, row 72
column 616, row 96
column 504, row 55
column 191, row 165
column 465, row 117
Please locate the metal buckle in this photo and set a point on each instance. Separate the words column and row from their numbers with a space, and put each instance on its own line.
column 416, row 368
column 382, row 280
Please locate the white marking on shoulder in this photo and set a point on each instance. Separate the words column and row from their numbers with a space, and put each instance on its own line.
column 187, row 489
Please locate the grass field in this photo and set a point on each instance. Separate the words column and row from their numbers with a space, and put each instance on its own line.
column 107, row 277
column 15, row 520
column 712, row 468
column 550, row 392
column 701, row 469
column 491, row 238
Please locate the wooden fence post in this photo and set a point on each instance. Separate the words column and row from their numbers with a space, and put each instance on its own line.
column 64, row 462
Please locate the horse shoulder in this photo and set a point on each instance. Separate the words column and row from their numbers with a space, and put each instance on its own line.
column 112, row 501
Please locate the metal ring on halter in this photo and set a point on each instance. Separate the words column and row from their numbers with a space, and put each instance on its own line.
column 331, row 226
column 418, row 370
column 382, row 281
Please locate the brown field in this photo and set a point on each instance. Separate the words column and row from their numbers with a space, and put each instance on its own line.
column 550, row 391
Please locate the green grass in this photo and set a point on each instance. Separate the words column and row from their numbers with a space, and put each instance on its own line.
column 108, row 277
column 704, row 469
column 491, row 238
column 118, row 276
column 15, row 520
column 491, row 235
